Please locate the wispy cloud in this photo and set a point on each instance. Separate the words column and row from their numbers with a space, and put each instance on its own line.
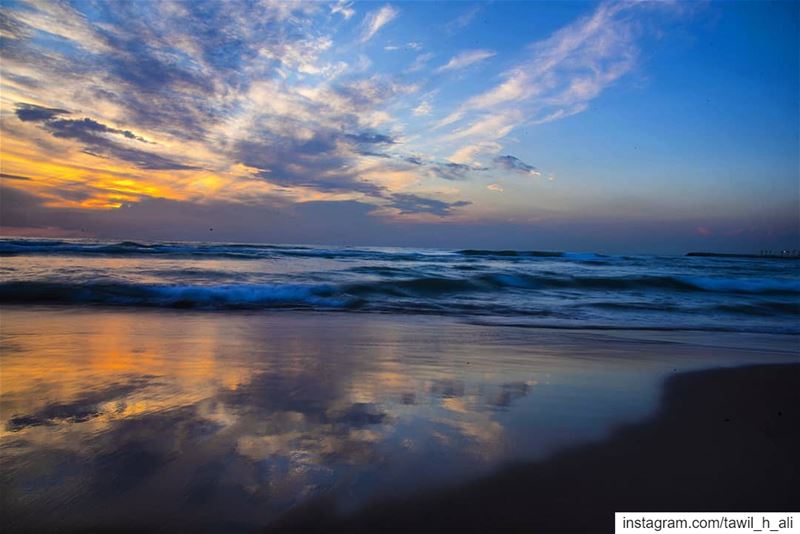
column 375, row 20
column 411, row 45
column 424, row 108
column 559, row 78
column 344, row 8
column 465, row 59
column 420, row 62
column 97, row 138
column 511, row 163
column 463, row 20
column 408, row 203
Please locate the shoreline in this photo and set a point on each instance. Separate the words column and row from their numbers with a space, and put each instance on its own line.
column 721, row 440
column 480, row 321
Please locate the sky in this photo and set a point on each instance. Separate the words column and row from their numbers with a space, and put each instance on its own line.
column 611, row 127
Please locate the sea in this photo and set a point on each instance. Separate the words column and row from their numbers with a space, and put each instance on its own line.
column 526, row 288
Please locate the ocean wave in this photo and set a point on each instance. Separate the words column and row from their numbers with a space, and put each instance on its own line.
column 744, row 285
column 761, row 309
column 128, row 248
column 21, row 247
column 253, row 251
column 176, row 296
column 434, row 290
column 510, row 253
column 496, row 281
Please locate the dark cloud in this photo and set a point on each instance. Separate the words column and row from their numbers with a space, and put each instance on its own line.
column 409, row 203
column 92, row 135
column 140, row 48
column 364, row 94
column 23, row 80
column 140, row 158
column 222, row 47
column 454, row 171
column 375, row 154
column 370, row 138
column 145, row 69
column 34, row 113
column 85, row 129
column 366, row 141
column 511, row 163
column 158, row 86
column 13, row 177
column 321, row 164
column 316, row 163
column 446, row 170
column 12, row 27
column 184, row 116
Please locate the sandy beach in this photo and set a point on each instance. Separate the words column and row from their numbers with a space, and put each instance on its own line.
column 118, row 418
column 722, row 440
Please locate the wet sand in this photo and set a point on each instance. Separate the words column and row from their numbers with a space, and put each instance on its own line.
column 722, row 440
column 148, row 420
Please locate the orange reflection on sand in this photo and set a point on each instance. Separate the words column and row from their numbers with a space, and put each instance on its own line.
column 81, row 353
column 284, row 405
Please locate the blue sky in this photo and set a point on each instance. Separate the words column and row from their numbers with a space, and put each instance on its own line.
column 658, row 126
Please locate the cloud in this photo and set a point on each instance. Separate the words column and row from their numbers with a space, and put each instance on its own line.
column 447, row 170
column 344, row 8
column 85, row 129
column 420, row 62
column 452, row 171
column 465, row 59
column 411, row 45
column 318, row 163
column 424, row 108
column 409, row 203
column 179, row 78
column 561, row 75
column 510, row 163
column 472, row 152
column 495, row 187
column 33, row 113
column 463, row 20
column 91, row 134
column 258, row 101
column 13, row 177
column 216, row 90
column 370, row 138
column 375, row 20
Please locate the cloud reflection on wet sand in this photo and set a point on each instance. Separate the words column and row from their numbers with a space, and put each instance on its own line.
column 138, row 418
